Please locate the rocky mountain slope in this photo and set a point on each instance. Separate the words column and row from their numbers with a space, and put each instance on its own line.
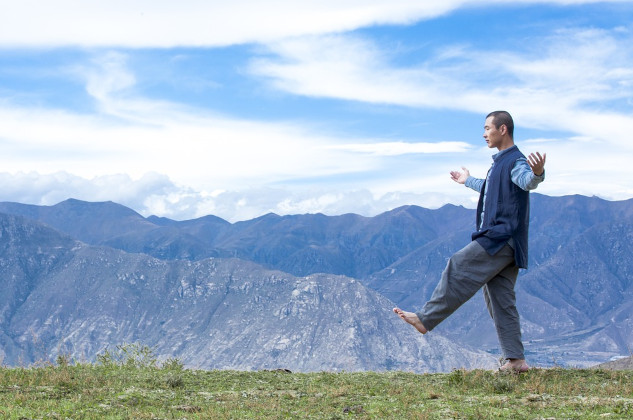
column 61, row 296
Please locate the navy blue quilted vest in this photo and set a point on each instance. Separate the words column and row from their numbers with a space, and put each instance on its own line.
column 507, row 210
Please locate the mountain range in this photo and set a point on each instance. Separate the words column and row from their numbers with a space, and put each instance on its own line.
column 575, row 298
column 62, row 296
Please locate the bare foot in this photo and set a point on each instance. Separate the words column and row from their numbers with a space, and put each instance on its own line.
column 411, row 318
column 515, row 366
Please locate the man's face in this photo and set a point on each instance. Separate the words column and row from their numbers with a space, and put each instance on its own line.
column 492, row 134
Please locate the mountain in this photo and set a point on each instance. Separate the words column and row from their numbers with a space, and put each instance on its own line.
column 349, row 244
column 86, row 221
column 574, row 298
column 63, row 296
column 111, row 224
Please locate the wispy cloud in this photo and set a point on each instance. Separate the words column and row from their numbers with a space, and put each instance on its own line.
column 165, row 24
column 561, row 81
column 134, row 135
column 355, row 69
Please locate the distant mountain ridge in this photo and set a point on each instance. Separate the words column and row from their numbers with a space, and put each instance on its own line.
column 574, row 298
column 349, row 244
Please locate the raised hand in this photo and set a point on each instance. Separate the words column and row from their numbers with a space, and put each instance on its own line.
column 460, row 177
column 537, row 163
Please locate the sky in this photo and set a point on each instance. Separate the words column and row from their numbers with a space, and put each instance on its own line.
column 241, row 108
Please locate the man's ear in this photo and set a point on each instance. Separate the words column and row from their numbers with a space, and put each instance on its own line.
column 504, row 129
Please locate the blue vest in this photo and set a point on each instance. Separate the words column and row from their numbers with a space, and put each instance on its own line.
column 507, row 210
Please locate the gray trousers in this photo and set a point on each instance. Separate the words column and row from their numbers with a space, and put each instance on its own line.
column 469, row 270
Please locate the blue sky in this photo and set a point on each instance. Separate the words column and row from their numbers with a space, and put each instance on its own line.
column 183, row 109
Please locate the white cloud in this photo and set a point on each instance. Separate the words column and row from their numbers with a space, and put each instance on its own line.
column 574, row 166
column 202, row 150
column 49, row 189
column 106, row 77
column 155, row 194
column 565, row 81
column 165, row 23
column 354, row 68
column 135, row 136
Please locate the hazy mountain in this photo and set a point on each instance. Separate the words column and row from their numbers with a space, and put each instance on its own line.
column 89, row 222
column 61, row 295
column 298, row 244
column 112, row 224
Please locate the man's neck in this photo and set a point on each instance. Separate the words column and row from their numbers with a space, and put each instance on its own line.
column 505, row 145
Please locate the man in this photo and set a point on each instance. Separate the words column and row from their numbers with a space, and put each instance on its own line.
column 499, row 245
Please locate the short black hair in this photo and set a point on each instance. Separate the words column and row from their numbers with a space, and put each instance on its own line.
column 500, row 118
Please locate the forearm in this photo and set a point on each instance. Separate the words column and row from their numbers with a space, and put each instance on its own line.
column 523, row 176
column 474, row 183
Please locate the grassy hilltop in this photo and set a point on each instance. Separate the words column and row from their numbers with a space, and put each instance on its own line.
column 135, row 386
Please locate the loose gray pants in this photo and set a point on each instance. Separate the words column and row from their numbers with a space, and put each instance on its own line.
column 466, row 272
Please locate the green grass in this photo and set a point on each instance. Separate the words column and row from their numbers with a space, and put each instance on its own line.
column 110, row 390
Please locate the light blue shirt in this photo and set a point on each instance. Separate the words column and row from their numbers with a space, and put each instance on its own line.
column 521, row 174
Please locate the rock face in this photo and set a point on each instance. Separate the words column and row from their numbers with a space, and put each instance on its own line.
column 63, row 296
column 575, row 298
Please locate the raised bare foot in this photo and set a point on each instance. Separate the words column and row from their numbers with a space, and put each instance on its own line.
column 411, row 318
column 514, row 366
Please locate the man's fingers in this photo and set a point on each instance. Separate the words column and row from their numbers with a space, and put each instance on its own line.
column 532, row 160
column 536, row 158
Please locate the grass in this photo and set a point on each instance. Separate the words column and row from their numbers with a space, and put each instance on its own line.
column 123, row 392
column 128, row 389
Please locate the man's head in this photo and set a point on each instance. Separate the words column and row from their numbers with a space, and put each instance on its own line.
column 499, row 130
column 500, row 118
